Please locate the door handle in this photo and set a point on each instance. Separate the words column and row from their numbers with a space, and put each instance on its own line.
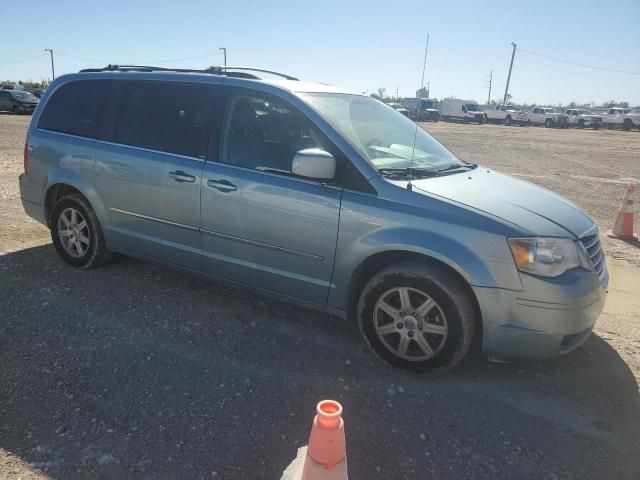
column 182, row 177
column 222, row 185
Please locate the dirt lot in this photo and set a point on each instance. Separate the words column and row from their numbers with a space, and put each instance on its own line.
column 136, row 371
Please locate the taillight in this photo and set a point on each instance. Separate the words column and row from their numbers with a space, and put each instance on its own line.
column 25, row 157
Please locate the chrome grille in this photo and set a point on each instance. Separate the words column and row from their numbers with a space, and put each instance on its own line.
column 592, row 245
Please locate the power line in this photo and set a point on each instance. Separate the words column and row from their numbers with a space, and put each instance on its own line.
column 23, row 60
column 151, row 62
column 595, row 67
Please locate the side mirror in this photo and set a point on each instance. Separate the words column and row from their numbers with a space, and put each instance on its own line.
column 314, row 163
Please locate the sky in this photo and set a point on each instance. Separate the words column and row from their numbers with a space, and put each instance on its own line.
column 362, row 46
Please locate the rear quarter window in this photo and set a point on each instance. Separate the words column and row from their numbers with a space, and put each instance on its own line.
column 75, row 108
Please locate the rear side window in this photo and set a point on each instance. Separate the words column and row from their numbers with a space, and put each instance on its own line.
column 75, row 108
column 164, row 116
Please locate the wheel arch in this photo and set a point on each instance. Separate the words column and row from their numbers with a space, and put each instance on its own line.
column 65, row 182
column 376, row 262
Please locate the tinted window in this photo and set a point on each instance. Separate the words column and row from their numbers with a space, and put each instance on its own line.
column 264, row 134
column 165, row 116
column 75, row 108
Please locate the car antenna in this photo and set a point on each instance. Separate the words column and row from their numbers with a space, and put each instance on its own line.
column 415, row 133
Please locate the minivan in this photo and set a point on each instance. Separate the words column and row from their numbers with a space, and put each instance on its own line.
column 314, row 195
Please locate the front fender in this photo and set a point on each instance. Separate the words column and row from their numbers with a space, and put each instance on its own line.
column 470, row 243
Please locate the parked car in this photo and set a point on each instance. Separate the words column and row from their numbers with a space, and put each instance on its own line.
column 507, row 114
column 36, row 91
column 547, row 116
column 314, row 195
column 17, row 101
column 422, row 109
column 455, row 109
column 624, row 118
column 399, row 108
column 583, row 118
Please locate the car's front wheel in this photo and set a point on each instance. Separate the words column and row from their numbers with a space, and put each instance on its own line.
column 416, row 317
column 76, row 233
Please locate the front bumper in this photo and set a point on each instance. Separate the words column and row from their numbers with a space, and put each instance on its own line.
column 548, row 318
column 27, row 107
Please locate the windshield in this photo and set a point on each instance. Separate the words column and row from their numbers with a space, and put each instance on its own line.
column 25, row 96
column 473, row 107
column 383, row 136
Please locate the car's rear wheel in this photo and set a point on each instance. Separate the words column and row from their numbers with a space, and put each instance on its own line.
column 507, row 121
column 580, row 123
column 626, row 126
column 416, row 317
column 76, row 233
column 548, row 123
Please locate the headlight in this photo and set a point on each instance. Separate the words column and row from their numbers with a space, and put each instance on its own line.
column 548, row 257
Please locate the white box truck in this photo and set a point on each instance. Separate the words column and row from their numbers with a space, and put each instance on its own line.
column 456, row 109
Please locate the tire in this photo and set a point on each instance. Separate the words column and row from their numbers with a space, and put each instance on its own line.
column 79, row 253
column 450, row 318
column 548, row 123
column 581, row 123
column 627, row 125
column 507, row 121
column 16, row 110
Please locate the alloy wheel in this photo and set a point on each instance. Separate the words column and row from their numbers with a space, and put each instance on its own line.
column 410, row 324
column 73, row 232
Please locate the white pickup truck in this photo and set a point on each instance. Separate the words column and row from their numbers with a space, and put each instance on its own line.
column 547, row 116
column 621, row 117
column 506, row 114
column 583, row 118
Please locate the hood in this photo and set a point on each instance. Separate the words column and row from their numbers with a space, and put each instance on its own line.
column 528, row 206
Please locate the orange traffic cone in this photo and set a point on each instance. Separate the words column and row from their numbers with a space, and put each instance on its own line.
column 325, row 458
column 623, row 228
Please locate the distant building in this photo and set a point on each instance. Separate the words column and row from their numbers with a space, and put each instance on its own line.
column 422, row 92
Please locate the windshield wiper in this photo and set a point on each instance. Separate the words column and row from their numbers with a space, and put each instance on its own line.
column 456, row 167
column 413, row 172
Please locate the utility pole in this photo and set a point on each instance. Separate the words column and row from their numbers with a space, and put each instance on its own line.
column 397, row 88
column 224, row 50
column 428, row 83
column 53, row 72
column 489, row 86
column 506, row 90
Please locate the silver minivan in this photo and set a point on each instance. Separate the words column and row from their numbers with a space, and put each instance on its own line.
column 314, row 195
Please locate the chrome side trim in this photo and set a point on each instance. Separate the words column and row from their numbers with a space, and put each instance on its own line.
column 221, row 235
column 263, row 245
column 154, row 219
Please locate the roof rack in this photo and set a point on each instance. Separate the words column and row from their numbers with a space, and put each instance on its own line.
column 229, row 71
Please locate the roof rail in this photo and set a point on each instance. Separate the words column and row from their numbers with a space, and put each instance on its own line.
column 261, row 70
column 214, row 70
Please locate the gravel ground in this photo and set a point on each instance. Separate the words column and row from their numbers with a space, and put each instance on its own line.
column 136, row 371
